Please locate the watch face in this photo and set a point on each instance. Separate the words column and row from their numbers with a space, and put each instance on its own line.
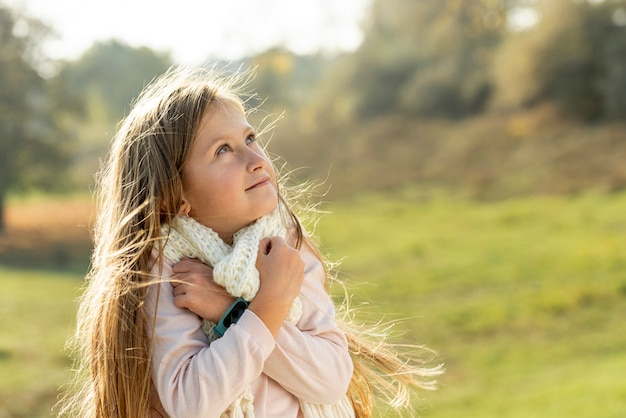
column 235, row 313
column 231, row 316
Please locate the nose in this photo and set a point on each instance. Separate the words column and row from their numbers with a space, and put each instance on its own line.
column 257, row 160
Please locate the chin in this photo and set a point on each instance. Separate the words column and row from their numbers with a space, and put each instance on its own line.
column 270, row 209
column 271, row 203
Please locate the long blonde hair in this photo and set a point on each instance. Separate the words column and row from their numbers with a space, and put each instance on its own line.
column 140, row 188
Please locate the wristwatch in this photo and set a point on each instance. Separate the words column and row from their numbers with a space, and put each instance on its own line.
column 232, row 315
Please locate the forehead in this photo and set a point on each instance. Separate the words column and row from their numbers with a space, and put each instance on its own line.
column 221, row 118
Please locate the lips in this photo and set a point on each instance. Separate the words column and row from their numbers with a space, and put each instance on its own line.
column 262, row 182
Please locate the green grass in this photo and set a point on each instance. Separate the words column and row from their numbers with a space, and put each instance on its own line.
column 36, row 315
column 524, row 300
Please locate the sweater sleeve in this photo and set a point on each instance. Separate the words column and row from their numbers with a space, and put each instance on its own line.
column 191, row 377
column 311, row 359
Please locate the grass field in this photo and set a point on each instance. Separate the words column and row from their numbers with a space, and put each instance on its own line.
column 524, row 300
column 36, row 316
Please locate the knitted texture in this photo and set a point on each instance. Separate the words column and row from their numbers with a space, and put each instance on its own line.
column 234, row 268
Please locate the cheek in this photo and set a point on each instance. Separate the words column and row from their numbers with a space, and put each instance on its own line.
column 195, row 187
column 272, row 173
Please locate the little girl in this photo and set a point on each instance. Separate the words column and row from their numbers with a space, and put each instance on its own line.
column 206, row 298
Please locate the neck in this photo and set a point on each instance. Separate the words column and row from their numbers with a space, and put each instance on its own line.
column 227, row 238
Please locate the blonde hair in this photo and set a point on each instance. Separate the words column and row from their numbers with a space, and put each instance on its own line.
column 140, row 189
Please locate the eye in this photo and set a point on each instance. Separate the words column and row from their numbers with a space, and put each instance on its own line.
column 224, row 148
column 250, row 139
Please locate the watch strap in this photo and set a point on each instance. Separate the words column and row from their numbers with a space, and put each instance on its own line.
column 231, row 316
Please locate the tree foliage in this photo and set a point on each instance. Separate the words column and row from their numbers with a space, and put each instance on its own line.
column 453, row 59
column 33, row 146
column 99, row 87
column 426, row 58
column 575, row 57
column 445, row 60
column 284, row 81
column 447, row 91
column 114, row 73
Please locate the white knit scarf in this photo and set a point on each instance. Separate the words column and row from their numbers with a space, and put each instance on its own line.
column 234, row 269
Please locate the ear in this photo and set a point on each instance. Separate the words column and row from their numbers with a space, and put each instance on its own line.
column 184, row 208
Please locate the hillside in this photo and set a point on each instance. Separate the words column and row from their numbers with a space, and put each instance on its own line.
column 534, row 152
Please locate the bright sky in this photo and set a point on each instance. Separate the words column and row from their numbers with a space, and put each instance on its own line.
column 197, row 30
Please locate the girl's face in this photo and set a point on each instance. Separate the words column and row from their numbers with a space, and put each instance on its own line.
column 228, row 180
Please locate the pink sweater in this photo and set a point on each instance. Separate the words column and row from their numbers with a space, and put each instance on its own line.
column 308, row 361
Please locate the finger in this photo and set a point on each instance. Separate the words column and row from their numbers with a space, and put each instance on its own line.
column 278, row 242
column 175, row 281
column 279, row 245
column 182, row 266
column 179, row 290
column 180, row 301
column 187, row 263
column 265, row 245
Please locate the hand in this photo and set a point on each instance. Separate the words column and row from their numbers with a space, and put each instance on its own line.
column 282, row 271
column 195, row 290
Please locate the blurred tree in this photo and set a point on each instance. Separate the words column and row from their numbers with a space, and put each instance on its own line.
column 33, row 147
column 284, row 80
column 100, row 86
column 575, row 56
column 614, row 83
column 113, row 73
column 613, row 56
column 426, row 58
column 273, row 76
